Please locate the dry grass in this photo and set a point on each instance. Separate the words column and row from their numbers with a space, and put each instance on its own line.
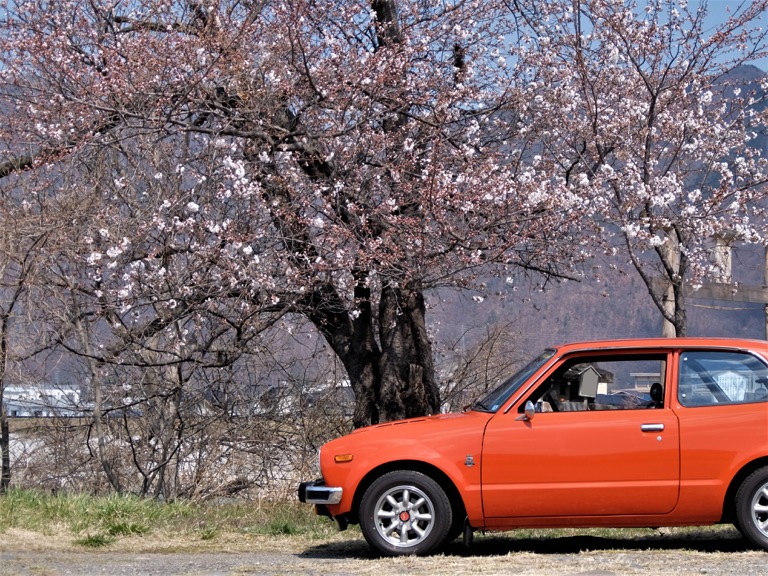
column 48, row 532
column 714, row 552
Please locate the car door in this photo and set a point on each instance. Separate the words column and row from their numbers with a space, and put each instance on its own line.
column 595, row 450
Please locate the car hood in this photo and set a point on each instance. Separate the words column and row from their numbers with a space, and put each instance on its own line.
column 439, row 420
column 432, row 431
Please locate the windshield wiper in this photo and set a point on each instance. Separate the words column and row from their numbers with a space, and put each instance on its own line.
column 479, row 407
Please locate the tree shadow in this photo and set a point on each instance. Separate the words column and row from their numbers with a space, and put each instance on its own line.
column 499, row 544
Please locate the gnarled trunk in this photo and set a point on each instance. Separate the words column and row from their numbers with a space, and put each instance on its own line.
column 393, row 376
column 407, row 386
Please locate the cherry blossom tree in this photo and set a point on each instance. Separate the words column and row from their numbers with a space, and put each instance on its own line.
column 240, row 162
column 225, row 167
column 21, row 241
column 649, row 120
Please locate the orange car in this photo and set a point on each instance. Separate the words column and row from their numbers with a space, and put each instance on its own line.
column 624, row 433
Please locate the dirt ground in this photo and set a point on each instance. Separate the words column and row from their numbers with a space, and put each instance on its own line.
column 715, row 553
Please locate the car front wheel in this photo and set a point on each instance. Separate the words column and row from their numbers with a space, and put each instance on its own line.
column 405, row 512
column 752, row 508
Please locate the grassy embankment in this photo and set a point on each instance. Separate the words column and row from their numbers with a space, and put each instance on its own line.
column 67, row 520
column 99, row 521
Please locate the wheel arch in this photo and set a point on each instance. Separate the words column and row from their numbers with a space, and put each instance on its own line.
column 729, row 505
column 445, row 482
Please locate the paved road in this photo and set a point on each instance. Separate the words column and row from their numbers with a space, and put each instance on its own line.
column 490, row 556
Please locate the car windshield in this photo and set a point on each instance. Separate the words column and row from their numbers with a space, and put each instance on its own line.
column 493, row 401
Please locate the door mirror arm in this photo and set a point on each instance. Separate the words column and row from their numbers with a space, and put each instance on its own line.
column 530, row 411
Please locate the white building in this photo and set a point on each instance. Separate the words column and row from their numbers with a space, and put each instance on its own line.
column 42, row 400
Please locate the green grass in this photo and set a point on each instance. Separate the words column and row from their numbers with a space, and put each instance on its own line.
column 100, row 521
column 95, row 541
column 96, row 521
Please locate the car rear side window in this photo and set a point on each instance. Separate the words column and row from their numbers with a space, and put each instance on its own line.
column 712, row 377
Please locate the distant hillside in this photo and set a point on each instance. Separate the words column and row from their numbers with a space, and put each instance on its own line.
column 618, row 306
column 748, row 79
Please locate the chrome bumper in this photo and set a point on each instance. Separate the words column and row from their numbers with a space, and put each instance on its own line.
column 318, row 493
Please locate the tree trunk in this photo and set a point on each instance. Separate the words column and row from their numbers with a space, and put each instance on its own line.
column 96, row 385
column 407, row 386
column 672, row 303
column 5, row 439
column 391, row 380
column 681, row 315
column 5, row 449
column 351, row 337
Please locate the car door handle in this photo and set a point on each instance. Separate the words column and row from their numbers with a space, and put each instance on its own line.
column 651, row 427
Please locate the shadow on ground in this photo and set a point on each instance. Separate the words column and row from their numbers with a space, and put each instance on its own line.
column 724, row 540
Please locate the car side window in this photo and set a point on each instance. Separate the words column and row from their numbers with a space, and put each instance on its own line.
column 607, row 382
column 712, row 377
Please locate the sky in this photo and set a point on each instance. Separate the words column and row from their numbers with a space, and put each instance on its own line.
column 719, row 12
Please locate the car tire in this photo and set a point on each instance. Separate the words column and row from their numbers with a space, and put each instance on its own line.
column 457, row 527
column 752, row 508
column 405, row 513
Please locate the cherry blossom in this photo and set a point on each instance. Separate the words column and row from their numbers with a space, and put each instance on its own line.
column 337, row 161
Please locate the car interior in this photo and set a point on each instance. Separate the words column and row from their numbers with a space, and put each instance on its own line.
column 603, row 383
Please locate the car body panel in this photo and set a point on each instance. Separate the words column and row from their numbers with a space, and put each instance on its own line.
column 578, row 464
column 451, row 443
column 713, row 448
column 667, row 466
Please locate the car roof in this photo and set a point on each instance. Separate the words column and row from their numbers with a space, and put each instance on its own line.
column 665, row 343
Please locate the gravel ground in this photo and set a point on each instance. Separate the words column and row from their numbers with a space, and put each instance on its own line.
column 709, row 553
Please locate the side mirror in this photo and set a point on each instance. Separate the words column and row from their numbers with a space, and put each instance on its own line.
column 530, row 410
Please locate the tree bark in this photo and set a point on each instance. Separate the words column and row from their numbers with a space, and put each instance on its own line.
column 5, row 449
column 96, row 385
column 393, row 376
column 408, row 386
column 765, row 283
column 5, row 440
column 351, row 337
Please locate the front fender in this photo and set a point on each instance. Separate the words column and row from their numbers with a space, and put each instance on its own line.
column 353, row 461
